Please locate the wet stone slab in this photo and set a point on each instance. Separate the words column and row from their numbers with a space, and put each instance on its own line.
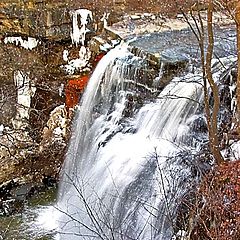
column 180, row 46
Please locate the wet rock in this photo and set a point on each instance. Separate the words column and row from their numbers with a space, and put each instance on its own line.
column 169, row 60
column 24, row 191
column 10, row 206
column 227, row 88
column 198, row 124
column 12, row 196
column 49, row 181
column 174, row 57
column 5, row 189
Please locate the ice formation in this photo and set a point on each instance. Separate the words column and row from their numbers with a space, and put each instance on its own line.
column 104, row 19
column 30, row 43
column 65, row 55
column 24, row 93
column 1, row 129
column 78, row 34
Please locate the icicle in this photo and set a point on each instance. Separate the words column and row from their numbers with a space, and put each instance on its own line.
column 24, row 93
column 65, row 55
column 104, row 19
column 30, row 43
column 79, row 32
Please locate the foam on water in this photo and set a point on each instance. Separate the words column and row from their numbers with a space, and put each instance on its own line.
column 113, row 172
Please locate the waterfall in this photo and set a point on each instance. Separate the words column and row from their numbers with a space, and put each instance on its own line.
column 123, row 175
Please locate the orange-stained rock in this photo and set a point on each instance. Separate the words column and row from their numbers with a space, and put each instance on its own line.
column 99, row 57
column 76, row 86
column 74, row 89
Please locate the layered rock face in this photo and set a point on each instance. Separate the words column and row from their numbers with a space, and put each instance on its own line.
column 44, row 19
column 44, row 67
column 32, row 82
column 51, row 18
column 47, row 18
column 43, row 70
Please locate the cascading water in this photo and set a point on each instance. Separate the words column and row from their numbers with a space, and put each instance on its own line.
column 122, row 176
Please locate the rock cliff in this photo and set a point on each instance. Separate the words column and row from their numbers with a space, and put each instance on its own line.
column 43, row 66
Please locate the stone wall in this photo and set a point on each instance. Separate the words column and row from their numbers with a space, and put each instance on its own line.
column 51, row 19
column 34, row 18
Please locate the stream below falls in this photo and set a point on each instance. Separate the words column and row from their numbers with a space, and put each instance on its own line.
column 37, row 221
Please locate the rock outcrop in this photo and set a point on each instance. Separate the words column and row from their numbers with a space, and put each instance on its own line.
column 51, row 19
column 47, row 49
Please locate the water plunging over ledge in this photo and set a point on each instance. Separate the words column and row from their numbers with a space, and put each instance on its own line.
column 122, row 177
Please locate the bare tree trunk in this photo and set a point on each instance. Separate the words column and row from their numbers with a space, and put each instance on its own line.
column 206, row 63
column 212, row 121
column 238, row 53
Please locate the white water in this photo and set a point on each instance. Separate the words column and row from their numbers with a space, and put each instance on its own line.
column 117, row 178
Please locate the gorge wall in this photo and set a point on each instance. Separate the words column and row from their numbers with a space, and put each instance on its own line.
column 42, row 75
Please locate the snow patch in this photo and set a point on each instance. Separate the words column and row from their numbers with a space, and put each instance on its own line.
column 78, row 34
column 29, row 44
column 80, row 63
column 232, row 152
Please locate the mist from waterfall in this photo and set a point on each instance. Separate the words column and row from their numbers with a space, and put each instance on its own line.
column 123, row 174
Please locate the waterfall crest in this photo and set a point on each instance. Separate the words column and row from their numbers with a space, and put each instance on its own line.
column 121, row 175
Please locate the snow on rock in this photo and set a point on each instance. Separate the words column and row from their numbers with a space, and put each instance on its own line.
column 30, row 43
column 106, row 47
column 233, row 151
column 80, row 63
column 56, row 128
column 78, row 34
